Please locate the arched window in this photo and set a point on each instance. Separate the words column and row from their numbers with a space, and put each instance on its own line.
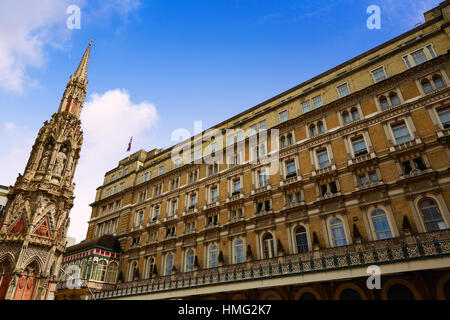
column 101, row 271
column 438, row 82
column 213, row 257
column 394, row 99
column 355, row 114
column 337, row 232
column 269, row 251
column 427, row 88
column 432, row 217
column 308, row 296
column 94, row 271
column 151, row 267
column 313, row 130
column 113, row 269
column 239, row 251
column 321, row 127
column 301, row 239
column 290, row 139
column 350, row 294
column 169, row 264
column 384, row 102
column 283, row 142
column 346, row 117
column 189, row 260
column 381, row 224
column 400, row 292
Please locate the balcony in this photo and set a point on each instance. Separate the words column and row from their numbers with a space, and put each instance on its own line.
column 173, row 216
column 390, row 251
column 210, row 205
column 235, row 195
column 294, row 204
column 361, row 157
column 191, row 210
column 325, row 170
column 411, row 144
column 291, row 178
column 259, row 190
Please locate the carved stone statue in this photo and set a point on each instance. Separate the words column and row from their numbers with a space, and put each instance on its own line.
column 44, row 162
column 60, row 161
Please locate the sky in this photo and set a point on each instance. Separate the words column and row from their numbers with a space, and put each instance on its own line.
column 160, row 65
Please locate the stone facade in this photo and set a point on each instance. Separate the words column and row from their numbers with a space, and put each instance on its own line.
column 364, row 179
column 35, row 220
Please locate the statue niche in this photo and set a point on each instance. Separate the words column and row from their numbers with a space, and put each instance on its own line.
column 61, row 159
column 46, row 157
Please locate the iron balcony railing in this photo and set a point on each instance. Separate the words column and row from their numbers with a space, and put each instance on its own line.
column 400, row 249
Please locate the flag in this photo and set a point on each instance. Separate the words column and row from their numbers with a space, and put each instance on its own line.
column 129, row 144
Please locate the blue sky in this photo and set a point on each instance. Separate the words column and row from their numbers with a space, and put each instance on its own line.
column 174, row 60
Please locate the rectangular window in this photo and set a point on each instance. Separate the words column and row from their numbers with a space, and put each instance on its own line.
column 213, row 146
column 322, row 157
column 419, row 57
column 122, row 186
column 406, row 59
column 359, row 146
column 253, row 130
column 306, row 106
column 444, row 116
column 317, row 101
column 230, row 140
column 284, row 116
column 291, row 169
column 236, row 186
column 161, row 170
column 378, row 74
column 214, row 194
column 239, row 136
column 262, row 125
column 401, row 132
column 108, row 192
column 198, row 154
column 262, row 178
column 343, row 90
column 431, row 51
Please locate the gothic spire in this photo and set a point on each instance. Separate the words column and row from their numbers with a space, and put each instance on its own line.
column 81, row 73
column 75, row 93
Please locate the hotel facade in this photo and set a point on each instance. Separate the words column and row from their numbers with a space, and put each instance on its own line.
column 357, row 176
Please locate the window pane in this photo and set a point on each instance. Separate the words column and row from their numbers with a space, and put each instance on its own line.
column 306, row 106
column 323, row 159
column 262, row 125
column 408, row 64
column 337, row 233
column 401, row 132
column 302, row 242
column 381, row 224
column 379, row 74
column 343, row 90
column 444, row 115
column 419, row 57
column 432, row 217
column 438, row 82
column 283, row 116
column 317, row 101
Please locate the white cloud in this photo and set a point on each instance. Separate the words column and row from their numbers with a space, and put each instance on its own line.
column 28, row 26
column 109, row 120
